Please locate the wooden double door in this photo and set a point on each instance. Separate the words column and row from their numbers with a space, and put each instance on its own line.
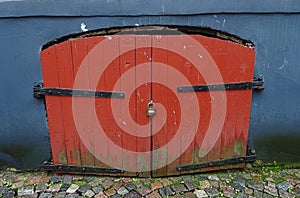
column 147, row 105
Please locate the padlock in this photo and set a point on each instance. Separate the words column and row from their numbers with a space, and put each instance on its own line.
column 150, row 109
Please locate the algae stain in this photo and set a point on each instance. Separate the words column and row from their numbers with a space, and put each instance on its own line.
column 239, row 149
column 62, row 159
column 76, row 156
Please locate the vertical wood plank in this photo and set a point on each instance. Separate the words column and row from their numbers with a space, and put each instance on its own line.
column 54, row 108
column 79, row 52
column 174, row 42
column 66, row 80
column 143, row 73
column 160, row 93
column 127, row 68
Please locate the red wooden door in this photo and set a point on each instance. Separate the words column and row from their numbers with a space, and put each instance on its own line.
column 199, row 86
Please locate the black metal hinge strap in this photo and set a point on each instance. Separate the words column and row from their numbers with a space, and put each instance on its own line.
column 80, row 169
column 236, row 160
column 257, row 84
column 39, row 91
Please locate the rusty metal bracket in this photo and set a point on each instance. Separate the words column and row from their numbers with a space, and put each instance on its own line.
column 257, row 84
column 251, row 157
column 39, row 92
column 81, row 169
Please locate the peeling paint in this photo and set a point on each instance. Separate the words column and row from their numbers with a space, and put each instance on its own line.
column 285, row 63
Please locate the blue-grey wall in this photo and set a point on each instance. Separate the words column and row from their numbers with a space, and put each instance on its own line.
column 273, row 26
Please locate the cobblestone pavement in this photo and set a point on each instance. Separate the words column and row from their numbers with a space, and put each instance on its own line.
column 262, row 182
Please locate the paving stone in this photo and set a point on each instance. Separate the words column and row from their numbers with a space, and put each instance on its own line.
column 271, row 190
column 177, row 179
column 166, row 191
column 100, row 195
column 88, row 179
column 204, row 184
column 8, row 194
column 187, row 178
column 3, row 189
column 56, row 179
column 55, row 188
column 107, row 183
column 97, row 189
column 45, row 179
column 77, row 177
column 72, row 189
column 165, row 182
column 239, row 181
column 214, row 184
column 179, row 188
column 156, row 185
column 222, row 184
column 200, row 193
column 293, row 181
column 154, row 194
column 45, row 195
column 256, row 186
column 138, row 184
column 116, row 196
column 269, row 179
column 34, row 180
column 213, row 178
column 143, row 190
column 122, row 191
column 126, row 180
column 202, row 177
column 297, row 191
column 241, row 195
column 40, row 187
column 129, row 186
column 118, row 185
column 27, row 190
column 67, row 179
column 132, row 194
column 247, row 176
column 225, row 178
column 272, row 185
column 190, row 185
column 258, row 194
column 71, row 196
column 285, row 194
column 60, row 195
column 238, row 187
column 212, row 192
column 89, row 193
column 64, row 187
column 84, row 188
column 228, row 191
column 110, row 192
column 265, row 195
column 17, row 185
column 9, row 179
column 189, row 195
column 284, row 186
column 94, row 182
column 248, row 191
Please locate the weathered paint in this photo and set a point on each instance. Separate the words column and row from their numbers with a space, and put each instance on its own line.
column 273, row 26
column 151, row 81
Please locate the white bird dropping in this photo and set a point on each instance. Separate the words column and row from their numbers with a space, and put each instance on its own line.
column 83, row 27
